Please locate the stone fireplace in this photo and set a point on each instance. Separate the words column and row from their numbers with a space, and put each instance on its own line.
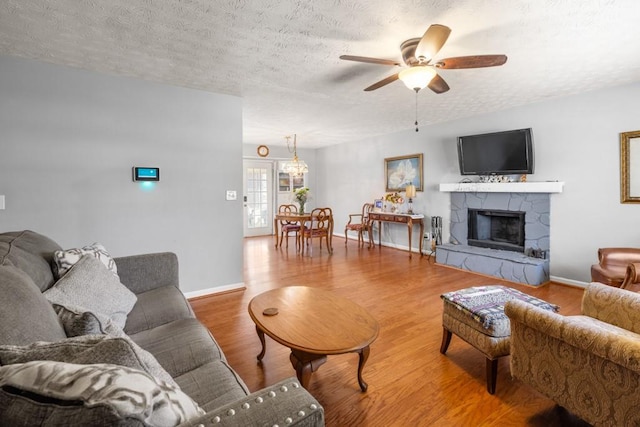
column 495, row 228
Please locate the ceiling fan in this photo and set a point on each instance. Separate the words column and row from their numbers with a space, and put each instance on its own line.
column 418, row 54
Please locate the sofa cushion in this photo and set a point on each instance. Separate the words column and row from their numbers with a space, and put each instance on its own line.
column 213, row 384
column 129, row 393
column 180, row 346
column 88, row 349
column 157, row 307
column 64, row 260
column 31, row 252
column 91, row 285
column 26, row 315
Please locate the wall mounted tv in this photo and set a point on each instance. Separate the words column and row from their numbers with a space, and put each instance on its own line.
column 500, row 153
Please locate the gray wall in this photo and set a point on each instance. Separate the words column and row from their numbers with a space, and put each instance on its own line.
column 576, row 141
column 69, row 138
column 68, row 141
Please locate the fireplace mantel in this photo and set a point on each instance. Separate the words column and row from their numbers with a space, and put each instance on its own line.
column 503, row 187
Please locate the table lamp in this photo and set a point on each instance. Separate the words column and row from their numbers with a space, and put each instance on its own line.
column 410, row 193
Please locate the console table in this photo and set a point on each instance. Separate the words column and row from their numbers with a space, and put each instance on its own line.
column 408, row 219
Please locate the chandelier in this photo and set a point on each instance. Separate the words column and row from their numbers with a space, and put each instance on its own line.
column 296, row 166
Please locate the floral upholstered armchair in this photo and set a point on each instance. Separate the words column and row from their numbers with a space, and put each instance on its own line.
column 590, row 363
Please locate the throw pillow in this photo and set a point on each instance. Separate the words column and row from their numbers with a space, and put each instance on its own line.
column 90, row 285
column 64, row 260
column 78, row 321
column 26, row 315
column 130, row 393
column 88, row 349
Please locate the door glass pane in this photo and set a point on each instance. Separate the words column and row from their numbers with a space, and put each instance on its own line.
column 257, row 197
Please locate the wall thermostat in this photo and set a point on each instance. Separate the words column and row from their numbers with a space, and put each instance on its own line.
column 146, row 174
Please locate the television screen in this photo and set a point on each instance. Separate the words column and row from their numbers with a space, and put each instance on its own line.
column 501, row 153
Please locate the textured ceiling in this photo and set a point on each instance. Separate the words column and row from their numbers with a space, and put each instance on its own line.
column 281, row 56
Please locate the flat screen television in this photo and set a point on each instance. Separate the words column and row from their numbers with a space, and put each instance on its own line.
column 498, row 153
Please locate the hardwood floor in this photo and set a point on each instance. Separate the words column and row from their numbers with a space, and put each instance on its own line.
column 410, row 382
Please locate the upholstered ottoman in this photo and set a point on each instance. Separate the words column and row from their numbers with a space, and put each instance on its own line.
column 477, row 316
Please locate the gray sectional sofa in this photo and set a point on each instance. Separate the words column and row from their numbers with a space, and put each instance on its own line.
column 40, row 339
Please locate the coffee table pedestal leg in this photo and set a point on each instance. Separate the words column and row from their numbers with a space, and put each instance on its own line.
column 363, row 356
column 305, row 364
column 262, row 341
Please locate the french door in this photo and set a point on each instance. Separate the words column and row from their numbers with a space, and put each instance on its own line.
column 258, row 198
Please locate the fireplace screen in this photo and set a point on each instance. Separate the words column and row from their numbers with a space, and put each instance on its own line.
column 496, row 229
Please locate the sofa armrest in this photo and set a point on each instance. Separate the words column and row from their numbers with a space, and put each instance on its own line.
column 615, row 306
column 142, row 273
column 620, row 349
column 286, row 403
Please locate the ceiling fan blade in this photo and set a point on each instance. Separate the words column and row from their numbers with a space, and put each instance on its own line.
column 475, row 61
column 392, row 78
column 438, row 85
column 369, row 60
column 434, row 38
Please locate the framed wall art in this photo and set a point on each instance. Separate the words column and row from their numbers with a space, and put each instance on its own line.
column 630, row 167
column 402, row 171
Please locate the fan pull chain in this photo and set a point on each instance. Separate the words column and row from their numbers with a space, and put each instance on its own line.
column 416, row 111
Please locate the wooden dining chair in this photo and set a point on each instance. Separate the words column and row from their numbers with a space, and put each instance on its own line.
column 287, row 226
column 320, row 225
column 359, row 223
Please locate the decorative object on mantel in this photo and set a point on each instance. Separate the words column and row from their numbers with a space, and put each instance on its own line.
column 496, row 178
column 630, row 160
column 402, row 171
column 410, row 193
column 503, row 187
column 295, row 167
column 392, row 201
column 301, row 195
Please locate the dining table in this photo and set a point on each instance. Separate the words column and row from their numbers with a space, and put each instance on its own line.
column 300, row 218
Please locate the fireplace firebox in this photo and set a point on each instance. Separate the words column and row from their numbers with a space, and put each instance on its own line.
column 496, row 229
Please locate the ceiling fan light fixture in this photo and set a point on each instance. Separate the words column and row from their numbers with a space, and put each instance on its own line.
column 417, row 77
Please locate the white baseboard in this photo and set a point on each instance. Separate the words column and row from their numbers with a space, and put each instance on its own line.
column 216, row 290
column 570, row 282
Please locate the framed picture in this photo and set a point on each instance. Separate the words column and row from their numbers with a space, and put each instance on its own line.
column 377, row 205
column 402, row 171
column 630, row 167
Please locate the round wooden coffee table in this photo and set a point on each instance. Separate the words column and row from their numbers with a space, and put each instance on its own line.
column 313, row 323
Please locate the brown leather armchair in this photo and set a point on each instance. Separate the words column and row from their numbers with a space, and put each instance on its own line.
column 619, row 267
